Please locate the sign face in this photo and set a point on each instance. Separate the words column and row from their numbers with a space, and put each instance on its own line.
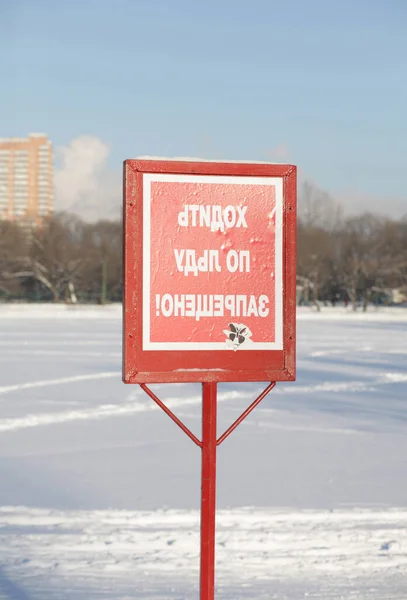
column 209, row 271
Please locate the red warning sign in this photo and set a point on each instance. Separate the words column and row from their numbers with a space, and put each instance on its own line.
column 210, row 286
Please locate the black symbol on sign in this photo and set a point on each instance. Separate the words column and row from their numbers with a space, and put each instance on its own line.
column 238, row 335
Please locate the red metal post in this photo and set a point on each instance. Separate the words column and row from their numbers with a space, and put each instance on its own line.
column 208, row 491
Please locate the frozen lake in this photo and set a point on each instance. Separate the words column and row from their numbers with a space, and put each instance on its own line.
column 99, row 490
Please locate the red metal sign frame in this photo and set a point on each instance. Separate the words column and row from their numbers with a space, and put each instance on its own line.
column 163, row 366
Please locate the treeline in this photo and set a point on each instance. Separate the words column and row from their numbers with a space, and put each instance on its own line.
column 357, row 260
column 66, row 260
column 361, row 260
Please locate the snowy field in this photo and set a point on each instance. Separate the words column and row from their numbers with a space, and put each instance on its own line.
column 99, row 490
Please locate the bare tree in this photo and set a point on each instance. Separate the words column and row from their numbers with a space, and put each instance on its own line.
column 363, row 257
column 313, row 260
column 101, row 276
column 55, row 256
column 317, row 209
column 13, row 255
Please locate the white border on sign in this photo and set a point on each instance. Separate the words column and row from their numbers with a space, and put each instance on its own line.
column 149, row 178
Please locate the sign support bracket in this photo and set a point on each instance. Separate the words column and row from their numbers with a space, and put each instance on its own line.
column 208, row 447
column 171, row 415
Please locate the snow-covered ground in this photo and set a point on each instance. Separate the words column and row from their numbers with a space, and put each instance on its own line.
column 99, row 490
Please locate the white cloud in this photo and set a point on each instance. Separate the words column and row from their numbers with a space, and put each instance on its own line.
column 84, row 184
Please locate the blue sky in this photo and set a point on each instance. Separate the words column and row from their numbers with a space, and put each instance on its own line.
column 319, row 83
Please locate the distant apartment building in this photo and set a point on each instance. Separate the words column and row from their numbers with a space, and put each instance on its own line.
column 26, row 187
